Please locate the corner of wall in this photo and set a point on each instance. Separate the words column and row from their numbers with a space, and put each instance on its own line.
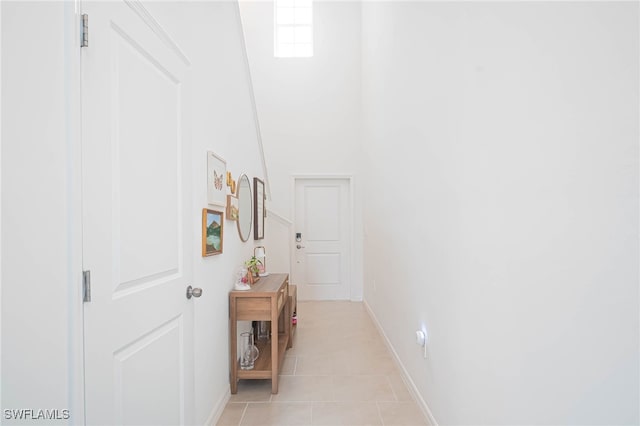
column 218, row 407
column 404, row 373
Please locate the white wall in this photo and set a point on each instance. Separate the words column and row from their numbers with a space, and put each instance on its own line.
column 40, row 267
column 507, row 224
column 309, row 108
column 278, row 231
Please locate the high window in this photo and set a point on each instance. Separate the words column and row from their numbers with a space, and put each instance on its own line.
column 293, row 29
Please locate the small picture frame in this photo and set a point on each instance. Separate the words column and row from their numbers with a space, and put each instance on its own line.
column 232, row 207
column 216, row 176
column 258, row 208
column 212, row 232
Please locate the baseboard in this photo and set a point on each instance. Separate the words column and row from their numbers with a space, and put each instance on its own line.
column 218, row 408
column 405, row 375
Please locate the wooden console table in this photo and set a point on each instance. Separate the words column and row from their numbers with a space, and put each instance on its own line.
column 267, row 300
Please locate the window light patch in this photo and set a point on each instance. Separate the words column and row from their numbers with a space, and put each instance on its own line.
column 293, row 27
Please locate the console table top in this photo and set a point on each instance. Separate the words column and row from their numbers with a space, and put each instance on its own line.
column 268, row 284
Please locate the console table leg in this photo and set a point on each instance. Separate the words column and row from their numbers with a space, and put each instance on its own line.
column 233, row 349
column 275, row 339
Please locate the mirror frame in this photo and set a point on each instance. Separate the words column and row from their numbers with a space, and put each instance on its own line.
column 258, row 209
column 238, row 195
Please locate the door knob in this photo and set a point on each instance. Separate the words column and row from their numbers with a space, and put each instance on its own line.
column 193, row 292
column 298, row 246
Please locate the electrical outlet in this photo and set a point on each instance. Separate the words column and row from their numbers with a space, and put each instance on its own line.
column 421, row 340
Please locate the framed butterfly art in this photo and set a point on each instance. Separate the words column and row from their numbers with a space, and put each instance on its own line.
column 216, row 180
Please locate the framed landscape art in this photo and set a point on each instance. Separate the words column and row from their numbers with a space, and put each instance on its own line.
column 212, row 232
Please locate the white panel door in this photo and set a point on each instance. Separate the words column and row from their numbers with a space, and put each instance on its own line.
column 136, row 236
column 321, row 255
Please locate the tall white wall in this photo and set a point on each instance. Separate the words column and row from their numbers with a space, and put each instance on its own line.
column 503, row 142
column 40, row 178
column 309, row 108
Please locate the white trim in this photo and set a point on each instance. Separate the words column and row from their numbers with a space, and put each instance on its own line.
column 1, row 200
column 638, row 17
column 254, row 107
column 405, row 375
column 323, row 176
column 356, row 280
column 354, row 276
column 279, row 217
column 73, row 129
column 218, row 409
column 155, row 26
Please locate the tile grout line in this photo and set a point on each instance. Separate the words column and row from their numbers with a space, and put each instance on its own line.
column 392, row 390
column 380, row 413
column 246, row 405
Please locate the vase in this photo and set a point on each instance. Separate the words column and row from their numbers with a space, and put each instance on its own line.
column 264, row 329
column 248, row 351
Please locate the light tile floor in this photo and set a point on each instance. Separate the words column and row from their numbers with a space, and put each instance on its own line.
column 339, row 372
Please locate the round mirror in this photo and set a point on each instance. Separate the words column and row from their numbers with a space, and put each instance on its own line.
column 244, row 207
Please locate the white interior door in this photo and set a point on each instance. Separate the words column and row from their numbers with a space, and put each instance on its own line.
column 136, row 236
column 321, row 266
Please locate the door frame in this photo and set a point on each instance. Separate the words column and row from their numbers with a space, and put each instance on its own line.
column 351, row 255
column 73, row 108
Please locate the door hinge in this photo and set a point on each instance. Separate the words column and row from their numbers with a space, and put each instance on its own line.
column 86, row 286
column 85, row 30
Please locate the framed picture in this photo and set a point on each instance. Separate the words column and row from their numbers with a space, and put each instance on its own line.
column 216, row 175
column 212, row 232
column 258, row 209
column 232, row 207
